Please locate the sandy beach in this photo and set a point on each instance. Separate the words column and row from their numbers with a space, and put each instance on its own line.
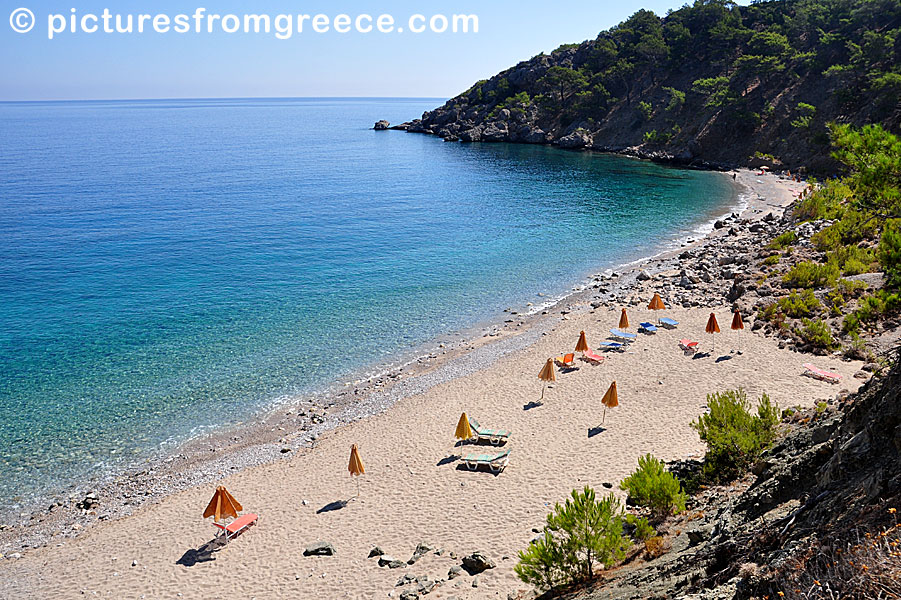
column 414, row 490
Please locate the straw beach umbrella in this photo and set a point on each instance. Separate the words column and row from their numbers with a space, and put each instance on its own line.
column 737, row 323
column 624, row 320
column 464, row 431
column 221, row 505
column 656, row 304
column 610, row 400
column 712, row 327
column 355, row 466
column 547, row 374
column 582, row 344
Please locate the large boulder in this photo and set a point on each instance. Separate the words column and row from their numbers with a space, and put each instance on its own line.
column 382, row 125
column 319, row 549
column 477, row 562
column 579, row 138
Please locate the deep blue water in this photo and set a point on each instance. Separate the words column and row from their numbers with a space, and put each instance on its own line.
column 169, row 265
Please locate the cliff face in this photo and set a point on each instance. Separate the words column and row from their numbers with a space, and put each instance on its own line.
column 711, row 84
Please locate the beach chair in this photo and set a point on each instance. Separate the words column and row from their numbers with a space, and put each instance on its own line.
column 625, row 336
column 618, row 346
column 591, row 357
column 818, row 373
column 647, row 327
column 566, row 361
column 668, row 323
column 495, row 462
column 236, row 526
column 688, row 346
column 495, row 436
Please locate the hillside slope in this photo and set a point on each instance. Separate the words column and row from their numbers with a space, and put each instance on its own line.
column 711, row 84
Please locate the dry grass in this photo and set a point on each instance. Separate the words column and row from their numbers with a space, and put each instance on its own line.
column 867, row 566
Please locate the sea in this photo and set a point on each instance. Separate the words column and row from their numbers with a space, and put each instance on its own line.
column 171, row 267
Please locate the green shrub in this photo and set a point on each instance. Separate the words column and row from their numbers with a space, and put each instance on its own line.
column 794, row 305
column 853, row 259
column 826, row 202
column 643, row 529
column 890, row 253
column 653, row 486
column 676, row 99
column 786, row 239
column 735, row 438
column 805, row 113
column 578, row 535
column 771, row 260
column 870, row 309
column 817, row 333
column 645, row 110
column 811, row 275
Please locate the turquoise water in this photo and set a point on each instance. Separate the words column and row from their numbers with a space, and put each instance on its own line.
column 173, row 265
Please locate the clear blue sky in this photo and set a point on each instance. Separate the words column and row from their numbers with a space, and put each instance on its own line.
column 151, row 65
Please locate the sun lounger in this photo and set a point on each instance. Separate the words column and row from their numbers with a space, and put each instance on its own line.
column 495, row 436
column 647, row 327
column 623, row 335
column 818, row 373
column 619, row 347
column 566, row 361
column 688, row 346
column 236, row 526
column 495, row 462
column 592, row 357
column 668, row 323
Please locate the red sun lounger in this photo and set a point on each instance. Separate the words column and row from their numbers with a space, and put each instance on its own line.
column 236, row 526
column 688, row 346
column 592, row 357
column 818, row 373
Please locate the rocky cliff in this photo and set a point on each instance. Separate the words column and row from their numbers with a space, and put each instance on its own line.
column 712, row 84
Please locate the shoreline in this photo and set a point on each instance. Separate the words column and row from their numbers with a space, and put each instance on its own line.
column 252, row 442
column 239, row 450
column 267, row 435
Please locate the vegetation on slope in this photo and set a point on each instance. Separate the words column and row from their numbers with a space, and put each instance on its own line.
column 712, row 80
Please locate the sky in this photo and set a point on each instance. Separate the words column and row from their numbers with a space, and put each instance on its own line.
column 81, row 66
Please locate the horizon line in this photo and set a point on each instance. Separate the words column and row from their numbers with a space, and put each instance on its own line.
column 184, row 98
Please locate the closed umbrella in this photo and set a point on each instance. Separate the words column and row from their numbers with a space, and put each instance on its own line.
column 582, row 344
column 712, row 327
column 547, row 374
column 610, row 400
column 737, row 323
column 464, row 431
column 221, row 505
column 656, row 303
column 355, row 466
column 624, row 320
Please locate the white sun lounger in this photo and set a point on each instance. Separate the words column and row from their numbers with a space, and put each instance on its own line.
column 623, row 335
column 495, row 462
column 495, row 436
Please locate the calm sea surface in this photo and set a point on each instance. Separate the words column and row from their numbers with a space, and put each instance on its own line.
column 171, row 266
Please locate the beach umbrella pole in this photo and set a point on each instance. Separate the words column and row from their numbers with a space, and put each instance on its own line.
column 604, row 418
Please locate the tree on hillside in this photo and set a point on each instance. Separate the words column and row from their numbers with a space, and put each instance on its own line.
column 562, row 83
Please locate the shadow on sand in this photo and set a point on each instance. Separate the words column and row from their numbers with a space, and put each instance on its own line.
column 202, row 554
column 596, row 430
column 336, row 505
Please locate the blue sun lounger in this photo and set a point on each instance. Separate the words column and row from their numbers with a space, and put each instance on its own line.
column 623, row 335
column 668, row 323
column 647, row 327
column 612, row 346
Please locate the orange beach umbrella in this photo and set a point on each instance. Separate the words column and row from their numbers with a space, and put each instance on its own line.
column 547, row 374
column 355, row 466
column 464, row 431
column 582, row 344
column 610, row 400
column 657, row 303
column 737, row 323
column 221, row 505
column 712, row 327
column 624, row 320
